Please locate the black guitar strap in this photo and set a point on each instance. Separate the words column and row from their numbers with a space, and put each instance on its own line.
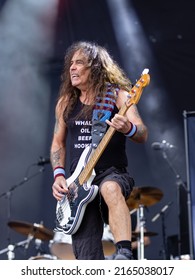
column 98, row 130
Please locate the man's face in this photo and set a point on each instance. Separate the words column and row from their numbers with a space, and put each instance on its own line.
column 79, row 71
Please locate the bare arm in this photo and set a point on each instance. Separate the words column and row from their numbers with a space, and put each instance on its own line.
column 123, row 123
column 58, row 153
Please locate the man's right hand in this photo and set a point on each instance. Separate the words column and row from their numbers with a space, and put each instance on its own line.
column 59, row 187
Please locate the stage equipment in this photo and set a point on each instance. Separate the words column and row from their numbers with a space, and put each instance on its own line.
column 189, row 132
column 146, row 196
column 37, row 231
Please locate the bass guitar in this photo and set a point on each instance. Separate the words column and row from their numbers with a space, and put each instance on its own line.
column 70, row 210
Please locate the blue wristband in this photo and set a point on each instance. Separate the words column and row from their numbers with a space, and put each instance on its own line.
column 59, row 171
column 132, row 130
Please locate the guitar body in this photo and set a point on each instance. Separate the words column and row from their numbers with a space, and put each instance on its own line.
column 70, row 210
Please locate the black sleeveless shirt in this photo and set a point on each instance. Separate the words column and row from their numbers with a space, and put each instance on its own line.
column 79, row 131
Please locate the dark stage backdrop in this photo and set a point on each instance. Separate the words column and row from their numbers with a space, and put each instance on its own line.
column 30, row 85
column 189, row 122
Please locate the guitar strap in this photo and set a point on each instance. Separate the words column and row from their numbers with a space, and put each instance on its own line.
column 102, row 112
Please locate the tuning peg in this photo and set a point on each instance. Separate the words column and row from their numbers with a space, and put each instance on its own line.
column 145, row 71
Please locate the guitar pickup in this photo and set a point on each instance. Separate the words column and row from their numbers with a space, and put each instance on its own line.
column 66, row 227
column 58, row 229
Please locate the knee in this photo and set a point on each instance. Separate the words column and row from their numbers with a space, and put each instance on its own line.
column 111, row 191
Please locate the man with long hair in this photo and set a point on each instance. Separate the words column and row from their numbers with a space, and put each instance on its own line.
column 93, row 90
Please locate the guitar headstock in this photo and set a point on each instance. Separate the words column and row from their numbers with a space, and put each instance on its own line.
column 136, row 91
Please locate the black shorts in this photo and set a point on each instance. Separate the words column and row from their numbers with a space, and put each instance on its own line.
column 87, row 241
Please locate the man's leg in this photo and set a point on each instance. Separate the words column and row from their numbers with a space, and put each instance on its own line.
column 119, row 218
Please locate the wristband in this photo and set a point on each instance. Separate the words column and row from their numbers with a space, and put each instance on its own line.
column 132, row 130
column 59, row 171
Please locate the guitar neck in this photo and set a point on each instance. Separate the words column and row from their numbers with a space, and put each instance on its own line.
column 134, row 97
column 94, row 157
